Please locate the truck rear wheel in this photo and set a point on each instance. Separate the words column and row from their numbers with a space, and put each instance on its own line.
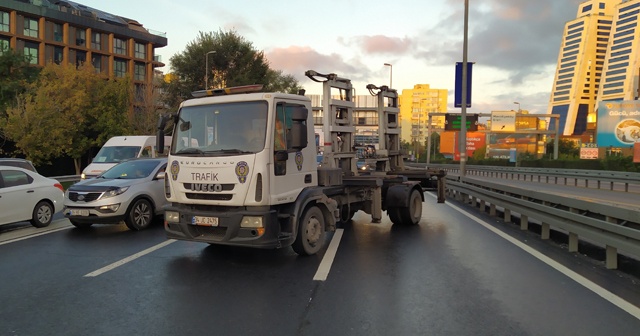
column 409, row 215
column 311, row 233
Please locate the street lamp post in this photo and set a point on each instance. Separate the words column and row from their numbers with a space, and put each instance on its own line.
column 206, row 74
column 390, row 74
column 519, row 109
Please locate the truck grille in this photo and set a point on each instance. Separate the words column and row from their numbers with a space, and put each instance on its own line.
column 210, row 197
column 83, row 197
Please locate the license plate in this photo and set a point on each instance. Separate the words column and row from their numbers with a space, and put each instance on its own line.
column 204, row 221
column 79, row 212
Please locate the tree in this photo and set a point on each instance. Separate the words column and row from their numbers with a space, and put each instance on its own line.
column 567, row 149
column 147, row 108
column 232, row 60
column 15, row 74
column 67, row 111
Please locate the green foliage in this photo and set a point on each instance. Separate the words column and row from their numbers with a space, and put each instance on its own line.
column 15, row 74
column 567, row 149
column 235, row 62
column 67, row 112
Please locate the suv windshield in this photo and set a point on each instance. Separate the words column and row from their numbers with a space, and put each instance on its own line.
column 221, row 129
column 131, row 170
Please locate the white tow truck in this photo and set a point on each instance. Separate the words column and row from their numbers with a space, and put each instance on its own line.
column 242, row 168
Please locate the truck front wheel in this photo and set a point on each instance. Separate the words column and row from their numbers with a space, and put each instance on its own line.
column 311, row 233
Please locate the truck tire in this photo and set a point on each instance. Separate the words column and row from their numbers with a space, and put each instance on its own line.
column 409, row 215
column 394, row 215
column 311, row 233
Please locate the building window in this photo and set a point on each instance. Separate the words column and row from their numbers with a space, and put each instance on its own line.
column 57, row 32
column 81, row 36
column 96, row 41
column 119, row 68
column 4, row 21
column 30, row 27
column 81, row 57
column 119, row 46
column 31, row 51
column 57, row 55
column 141, row 51
column 4, row 45
column 140, row 71
column 97, row 62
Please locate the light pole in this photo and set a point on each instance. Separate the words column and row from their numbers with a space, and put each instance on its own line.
column 390, row 74
column 206, row 74
column 519, row 109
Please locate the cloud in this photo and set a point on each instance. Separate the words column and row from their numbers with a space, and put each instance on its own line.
column 379, row 44
column 295, row 60
column 517, row 36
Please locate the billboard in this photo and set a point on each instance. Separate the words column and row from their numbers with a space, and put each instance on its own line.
column 503, row 121
column 618, row 123
column 449, row 143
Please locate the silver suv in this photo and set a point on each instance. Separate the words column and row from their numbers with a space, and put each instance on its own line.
column 131, row 191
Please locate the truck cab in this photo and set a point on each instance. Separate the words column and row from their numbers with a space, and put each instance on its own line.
column 244, row 152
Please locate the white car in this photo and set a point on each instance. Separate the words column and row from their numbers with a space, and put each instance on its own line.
column 27, row 195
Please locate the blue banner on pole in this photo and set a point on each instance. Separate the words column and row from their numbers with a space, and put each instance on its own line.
column 458, row 91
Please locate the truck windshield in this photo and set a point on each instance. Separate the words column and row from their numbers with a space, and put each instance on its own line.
column 115, row 154
column 221, row 129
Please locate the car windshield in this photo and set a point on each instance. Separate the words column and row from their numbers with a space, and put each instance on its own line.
column 221, row 129
column 131, row 170
column 115, row 154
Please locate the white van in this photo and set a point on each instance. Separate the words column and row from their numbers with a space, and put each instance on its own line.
column 122, row 148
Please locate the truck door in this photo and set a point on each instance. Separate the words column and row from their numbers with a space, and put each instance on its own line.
column 293, row 174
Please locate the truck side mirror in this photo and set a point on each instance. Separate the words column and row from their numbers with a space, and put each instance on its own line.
column 299, row 135
column 299, row 132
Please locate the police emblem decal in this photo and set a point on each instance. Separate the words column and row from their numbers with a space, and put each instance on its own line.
column 175, row 169
column 242, row 171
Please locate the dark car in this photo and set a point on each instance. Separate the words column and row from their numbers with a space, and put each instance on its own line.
column 20, row 163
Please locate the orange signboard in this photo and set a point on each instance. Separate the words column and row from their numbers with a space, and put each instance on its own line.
column 449, row 143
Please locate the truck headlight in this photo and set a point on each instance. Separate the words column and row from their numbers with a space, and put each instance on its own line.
column 83, row 176
column 172, row 216
column 251, row 222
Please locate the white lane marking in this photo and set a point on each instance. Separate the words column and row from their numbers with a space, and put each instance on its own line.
column 325, row 265
column 128, row 259
column 13, row 240
column 614, row 299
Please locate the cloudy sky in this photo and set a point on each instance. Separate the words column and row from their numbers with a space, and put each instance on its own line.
column 514, row 43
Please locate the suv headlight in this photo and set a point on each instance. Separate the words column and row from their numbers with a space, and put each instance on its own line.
column 114, row 192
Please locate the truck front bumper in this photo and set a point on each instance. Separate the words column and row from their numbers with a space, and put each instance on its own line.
column 228, row 230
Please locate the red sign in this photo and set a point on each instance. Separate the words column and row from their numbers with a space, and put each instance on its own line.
column 475, row 141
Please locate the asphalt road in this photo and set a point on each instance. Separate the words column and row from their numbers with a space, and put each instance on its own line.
column 457, row 273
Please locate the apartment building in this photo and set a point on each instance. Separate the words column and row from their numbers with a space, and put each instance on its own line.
column 66, row 31
column 415, row 106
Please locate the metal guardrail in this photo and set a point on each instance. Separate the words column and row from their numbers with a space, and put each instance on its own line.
column 615, row 180
column 616, row 227
column 67, row 178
